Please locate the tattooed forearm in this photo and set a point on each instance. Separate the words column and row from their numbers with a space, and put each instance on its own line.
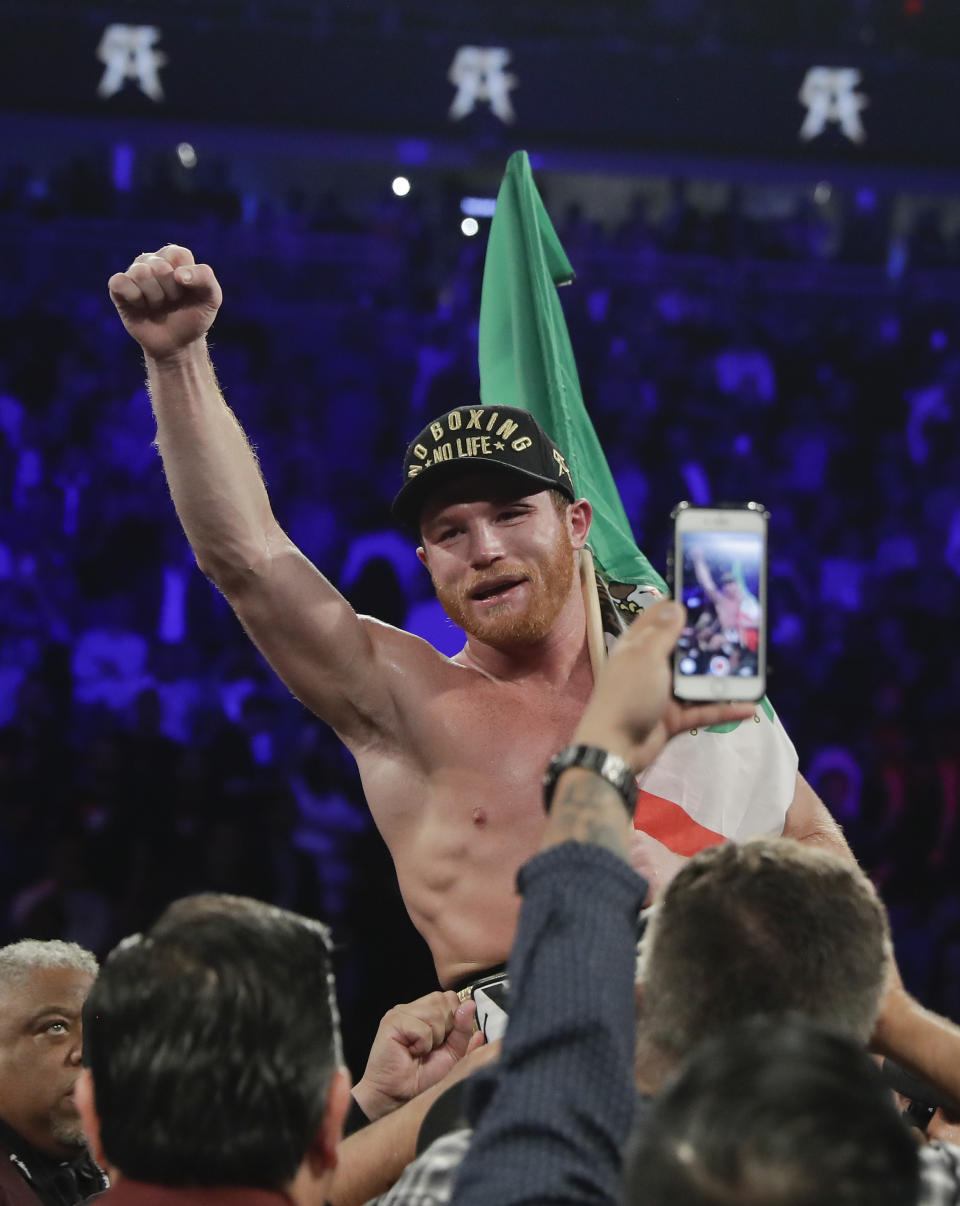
column 587, row 809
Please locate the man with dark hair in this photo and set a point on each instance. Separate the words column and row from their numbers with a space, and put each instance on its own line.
column 213, row 1058
column 44, row 1159
column 764, row 927
column 778, row 1111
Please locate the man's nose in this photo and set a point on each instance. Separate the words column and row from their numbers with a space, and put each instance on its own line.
column 486, row 545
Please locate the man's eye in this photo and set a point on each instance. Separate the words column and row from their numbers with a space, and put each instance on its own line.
column 513, row 513
column 56, row 1028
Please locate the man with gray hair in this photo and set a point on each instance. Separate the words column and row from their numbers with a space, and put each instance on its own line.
column 44, row 1159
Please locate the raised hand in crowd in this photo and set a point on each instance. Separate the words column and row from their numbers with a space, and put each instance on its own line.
column 632, row 711
column 415, row 1046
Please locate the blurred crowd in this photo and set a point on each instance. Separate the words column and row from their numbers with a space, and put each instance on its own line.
column 145, row 748
column 929, row 27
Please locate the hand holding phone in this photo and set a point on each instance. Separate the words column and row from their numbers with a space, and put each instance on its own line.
column 719, row 565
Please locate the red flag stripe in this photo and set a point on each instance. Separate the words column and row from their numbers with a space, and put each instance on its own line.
column 668, row 823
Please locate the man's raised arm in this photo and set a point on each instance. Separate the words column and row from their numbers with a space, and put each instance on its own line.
column 301, row 623
column 704, row 577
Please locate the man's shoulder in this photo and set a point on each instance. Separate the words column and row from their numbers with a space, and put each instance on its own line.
column 390, row 641
column 127, row 1192
column 414, row 667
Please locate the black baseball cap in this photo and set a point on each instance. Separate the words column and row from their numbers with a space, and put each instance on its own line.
column 501, row 437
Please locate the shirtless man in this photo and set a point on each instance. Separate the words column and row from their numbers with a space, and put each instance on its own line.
column 738, row 612
column 450, row 751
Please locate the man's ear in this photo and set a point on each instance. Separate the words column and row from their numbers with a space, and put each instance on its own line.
column 579, row 515
column 85, row 1097
column 422, row 556
column 323, row 1151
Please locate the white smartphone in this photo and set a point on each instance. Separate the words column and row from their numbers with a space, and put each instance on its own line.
column 719, row 568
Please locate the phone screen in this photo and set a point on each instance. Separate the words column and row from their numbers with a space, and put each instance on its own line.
column 721, row 590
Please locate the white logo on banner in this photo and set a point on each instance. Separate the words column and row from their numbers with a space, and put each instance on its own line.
column 129, row 53
column 479, row 75
column 828, row 93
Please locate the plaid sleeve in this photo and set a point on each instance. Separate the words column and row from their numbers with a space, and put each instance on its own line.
column 428, row 1180
column 939, row 1175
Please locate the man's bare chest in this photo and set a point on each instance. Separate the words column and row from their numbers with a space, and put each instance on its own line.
column 500, row 731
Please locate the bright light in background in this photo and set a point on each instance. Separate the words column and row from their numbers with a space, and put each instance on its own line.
column 122, row 167
column 478, row 207
column 822, row 193
column 866, row 199
column 469, row 226
column 187, row 155
column 400, row 186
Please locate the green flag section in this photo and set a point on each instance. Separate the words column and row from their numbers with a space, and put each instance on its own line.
column 526, row 360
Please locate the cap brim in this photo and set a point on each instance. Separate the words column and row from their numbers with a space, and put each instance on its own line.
column 415, row 491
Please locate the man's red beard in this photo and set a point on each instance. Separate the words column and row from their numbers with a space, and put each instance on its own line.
column 501, row 625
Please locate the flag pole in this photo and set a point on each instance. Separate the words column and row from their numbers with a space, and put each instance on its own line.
column 591, row 606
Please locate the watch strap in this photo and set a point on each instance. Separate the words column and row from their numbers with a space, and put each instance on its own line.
column 608, row 766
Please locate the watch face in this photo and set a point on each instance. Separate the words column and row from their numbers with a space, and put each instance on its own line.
column 610, row 767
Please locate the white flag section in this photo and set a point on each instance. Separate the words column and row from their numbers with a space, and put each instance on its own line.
column 734, row 783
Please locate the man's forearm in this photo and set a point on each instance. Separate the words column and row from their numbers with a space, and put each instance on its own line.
column 211, row 468
column 556, row 1121
column 371, row 1159
column 925, row 1043
column 586, row 809
column 809, row 821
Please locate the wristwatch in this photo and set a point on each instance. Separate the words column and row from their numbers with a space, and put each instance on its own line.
column 589, row 757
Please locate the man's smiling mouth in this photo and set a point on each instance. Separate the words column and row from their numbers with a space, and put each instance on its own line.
column 495, row 588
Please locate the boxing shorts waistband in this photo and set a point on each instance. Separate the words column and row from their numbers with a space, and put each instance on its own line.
column 493, row 976
column 490, row 992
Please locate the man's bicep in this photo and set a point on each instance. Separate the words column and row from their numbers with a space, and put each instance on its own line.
column 316, row 643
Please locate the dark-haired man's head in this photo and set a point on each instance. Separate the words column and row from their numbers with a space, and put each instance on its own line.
column 213, row 1051
column 775, row 1112
column 767, row 927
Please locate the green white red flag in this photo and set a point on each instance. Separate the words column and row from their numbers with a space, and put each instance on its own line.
column 732, row 781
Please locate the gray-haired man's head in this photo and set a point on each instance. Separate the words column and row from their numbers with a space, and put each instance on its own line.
column 42, row 989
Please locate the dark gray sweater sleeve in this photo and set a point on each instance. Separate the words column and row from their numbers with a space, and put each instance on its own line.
column 554, row 1114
